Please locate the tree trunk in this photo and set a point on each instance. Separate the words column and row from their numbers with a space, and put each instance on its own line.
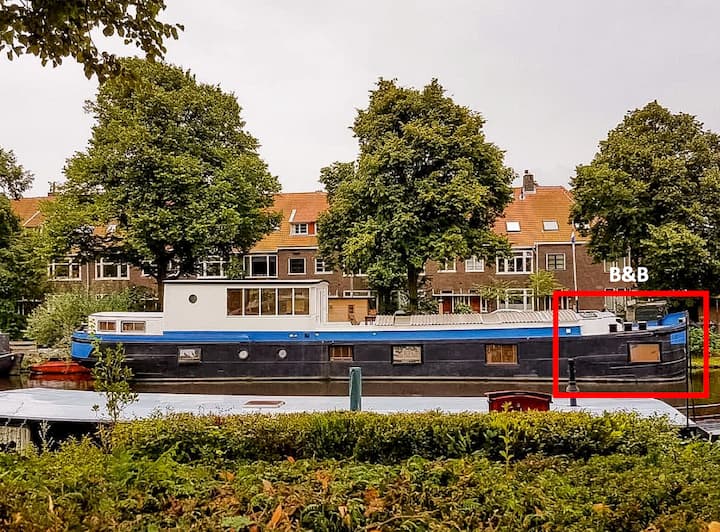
column 160, row 277
column 412, row 287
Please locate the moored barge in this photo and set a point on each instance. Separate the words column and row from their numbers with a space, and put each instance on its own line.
column 255, row 330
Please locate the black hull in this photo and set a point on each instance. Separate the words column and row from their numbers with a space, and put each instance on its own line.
column 7, row 361
column 603, row 358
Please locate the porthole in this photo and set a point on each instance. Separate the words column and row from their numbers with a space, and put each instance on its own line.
column 282, row 354
column 242, row 355
column 192, row 298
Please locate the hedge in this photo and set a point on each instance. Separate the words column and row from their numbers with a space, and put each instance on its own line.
column 389, row 438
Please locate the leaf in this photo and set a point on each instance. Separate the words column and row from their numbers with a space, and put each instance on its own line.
column 236, row 521
column 276, row 516
column 291, row 459
column 267, row 487
column 227, row 476
column 714, row 526
column 51, row 505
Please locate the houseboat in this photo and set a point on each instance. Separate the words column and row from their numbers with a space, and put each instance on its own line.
column 255, row 330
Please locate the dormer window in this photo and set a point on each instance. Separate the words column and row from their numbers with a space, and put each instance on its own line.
column 550, row 225
column 299, row 229
column 512, row 227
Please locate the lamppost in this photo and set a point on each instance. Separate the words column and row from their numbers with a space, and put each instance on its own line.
column 575, row 286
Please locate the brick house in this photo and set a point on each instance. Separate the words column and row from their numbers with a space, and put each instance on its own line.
column 536, row 223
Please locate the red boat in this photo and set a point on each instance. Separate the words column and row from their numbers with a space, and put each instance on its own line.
column 59, row 367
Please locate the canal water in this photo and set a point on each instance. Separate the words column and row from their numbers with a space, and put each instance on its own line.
column 404, row 388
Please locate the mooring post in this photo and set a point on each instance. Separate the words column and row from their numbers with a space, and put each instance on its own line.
column 355, row 389
column 572, row 385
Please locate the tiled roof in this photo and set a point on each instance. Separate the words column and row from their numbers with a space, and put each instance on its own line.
column 28, row 210
column 307, row 207
column 530, row 210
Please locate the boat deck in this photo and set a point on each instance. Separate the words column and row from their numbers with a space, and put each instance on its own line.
column 37, row 404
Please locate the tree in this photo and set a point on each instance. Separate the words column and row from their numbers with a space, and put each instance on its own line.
column 652, row 192
column 54, row 29
column 14, row 179
column 426, row 185
column 170, row 174
column 543, row 283
column 22, row 270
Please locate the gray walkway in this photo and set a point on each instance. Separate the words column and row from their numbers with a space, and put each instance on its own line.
column 74, row 405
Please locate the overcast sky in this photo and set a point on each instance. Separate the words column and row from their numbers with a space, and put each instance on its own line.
column 550, row 78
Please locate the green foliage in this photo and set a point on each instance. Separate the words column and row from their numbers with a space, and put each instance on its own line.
column 462, row 308
column 670, row 487
column 495, row 289
column 696, row 343
column 53, row 322
column 543, row 283
column 426, row 186
column 22, row 270
column 389, row 438
column 14, row 179
column 112, row 378
column 57, row 29
column 653, row 189
column 171, row 164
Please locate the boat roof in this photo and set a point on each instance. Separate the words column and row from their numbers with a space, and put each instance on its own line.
column 497, row 317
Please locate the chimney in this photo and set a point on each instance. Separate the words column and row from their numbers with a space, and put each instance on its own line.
column 528, row 183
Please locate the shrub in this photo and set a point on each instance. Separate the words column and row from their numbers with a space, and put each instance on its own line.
column 53, row 322
column 389, row 438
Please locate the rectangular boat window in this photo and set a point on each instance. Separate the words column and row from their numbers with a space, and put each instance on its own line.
column 133, row 326
column 341, row 352
column 407, row 354
column 234, row 301
column 285, row 301
column 252, row 301
column 189, row 355
column 644, row 352
column 302, row 301
column 106, row 326
column 501, row 354
column 269, row 300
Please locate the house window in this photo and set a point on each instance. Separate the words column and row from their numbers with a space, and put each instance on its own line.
column 501, row 354
column 64, row 270
column 356, row 273
column 644, row 352
column 299, row 229
column 341, row 353
column 296, row 266
column 173, row 268
column 106, row 269
column 620, row 263
column 550, row 225
column 322, row 267
column 407, row 354
column 517, row 299
column 132, row 326
column 474, row 264
column 521, row 262
column 260, row 265
column 447, row 266
column 555, row 261
column 212, row 267
column 512, row 227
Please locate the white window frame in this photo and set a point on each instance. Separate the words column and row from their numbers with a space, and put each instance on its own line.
column 547, row 262
column 322, row 269
column 248, row 261
column 528, row 301
column 607, row 264
column 72, row 266
column 212, row 260
column 473, row 264
column 304, row 263
column 512, row 226
column 550, row 225
column 119, row 266
column 502, row 265
column 297, row 228
column 443, row 266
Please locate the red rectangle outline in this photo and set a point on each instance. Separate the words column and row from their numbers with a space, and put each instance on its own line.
column 704, row 294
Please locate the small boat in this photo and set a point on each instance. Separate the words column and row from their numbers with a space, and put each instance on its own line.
column 279, row 330
column 59, row 367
